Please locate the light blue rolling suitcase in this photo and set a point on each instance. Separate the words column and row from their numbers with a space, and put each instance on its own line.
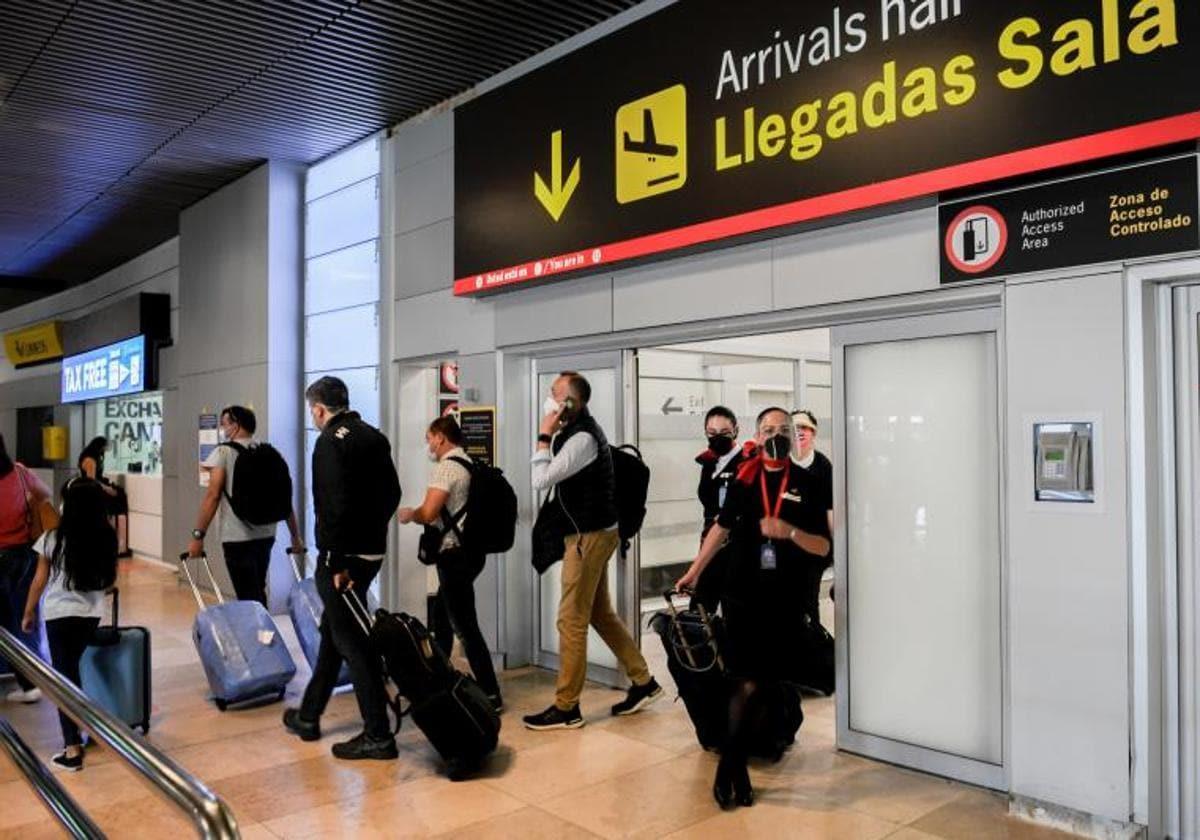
column 243, row 654
column 115, row 670
column 306, row 609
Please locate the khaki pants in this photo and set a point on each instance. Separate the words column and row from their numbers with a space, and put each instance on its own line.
column 585, row 600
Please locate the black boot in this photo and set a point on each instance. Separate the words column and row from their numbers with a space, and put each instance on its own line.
column 743, row 791
column 723, row 785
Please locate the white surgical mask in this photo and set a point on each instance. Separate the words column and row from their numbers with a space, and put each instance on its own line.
column 431, row 455
column 550, row 406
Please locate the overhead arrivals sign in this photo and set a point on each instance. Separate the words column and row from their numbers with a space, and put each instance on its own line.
column 708, row 120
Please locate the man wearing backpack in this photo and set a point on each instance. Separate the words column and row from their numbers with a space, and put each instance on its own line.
column 250, row 485
column 443, row 515
column 573, row 458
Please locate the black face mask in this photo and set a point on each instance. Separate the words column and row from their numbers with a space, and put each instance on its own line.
column 720, row 444
column 778, row 448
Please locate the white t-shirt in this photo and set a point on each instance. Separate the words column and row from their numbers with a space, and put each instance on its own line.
column 232, row 528
column 57, row 600
column 455, row 480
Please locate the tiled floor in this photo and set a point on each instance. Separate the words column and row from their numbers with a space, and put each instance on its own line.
column 637, row 777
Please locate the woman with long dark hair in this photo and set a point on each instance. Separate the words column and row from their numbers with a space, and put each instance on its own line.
column 77, row 563
column 20, row 492
column 91, row 465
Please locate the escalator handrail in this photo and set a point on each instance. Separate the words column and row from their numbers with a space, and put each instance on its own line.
column 208, row 812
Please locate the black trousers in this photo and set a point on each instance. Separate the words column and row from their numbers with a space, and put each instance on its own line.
column 713, row 581
column 454, row 614
column 68, row 638
column 247, row 563
column 343, row 639
column 17, row 565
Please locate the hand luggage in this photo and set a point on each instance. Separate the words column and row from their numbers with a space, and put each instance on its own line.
column 814, row 665
column 115, row 670
column 305, row 608
column 693, row 640
column 241, row 649
column 447, row 706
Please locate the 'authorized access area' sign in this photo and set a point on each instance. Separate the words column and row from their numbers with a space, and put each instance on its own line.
column 1135, row 211
column 708, row 120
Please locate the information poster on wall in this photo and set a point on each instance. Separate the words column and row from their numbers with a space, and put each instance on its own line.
column 208, row 440
column 448, row 389
column 478, row 424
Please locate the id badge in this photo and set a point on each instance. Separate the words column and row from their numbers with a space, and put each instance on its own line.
column 766, row 557
column 721, row 493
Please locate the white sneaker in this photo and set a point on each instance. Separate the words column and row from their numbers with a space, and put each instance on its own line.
column 31, row 696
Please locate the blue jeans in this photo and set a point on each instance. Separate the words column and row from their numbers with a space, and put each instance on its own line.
column 17, row 565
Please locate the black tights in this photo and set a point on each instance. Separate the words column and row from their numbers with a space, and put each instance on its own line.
column 747, row 711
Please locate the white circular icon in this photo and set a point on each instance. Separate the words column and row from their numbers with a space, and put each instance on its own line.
column 537, row 269
column 596, row 255
column 976, row 239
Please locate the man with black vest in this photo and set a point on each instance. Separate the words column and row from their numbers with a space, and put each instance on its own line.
column 573, row 459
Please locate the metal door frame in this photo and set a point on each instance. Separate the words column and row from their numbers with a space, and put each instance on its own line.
column 924, row 759
column 624, row 362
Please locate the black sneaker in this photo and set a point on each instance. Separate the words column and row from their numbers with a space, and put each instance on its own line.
column 638, row 698
column 555, row 718
column 73, row 765
column 306, row 729
column 363, row 746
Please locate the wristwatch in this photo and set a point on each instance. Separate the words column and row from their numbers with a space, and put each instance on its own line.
column 197, row 534
column 544, row 438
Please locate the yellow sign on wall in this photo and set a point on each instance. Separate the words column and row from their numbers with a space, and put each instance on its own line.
column 54, row 443
column 32, row 345
column 652, row 145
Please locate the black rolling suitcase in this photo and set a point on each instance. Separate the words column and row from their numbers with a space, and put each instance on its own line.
column 693, row 641
column 447, row 706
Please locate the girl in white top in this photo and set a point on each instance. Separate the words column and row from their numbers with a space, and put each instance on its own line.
column 77, row 564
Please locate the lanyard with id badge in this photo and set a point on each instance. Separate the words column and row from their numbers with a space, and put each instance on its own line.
column 767, row 561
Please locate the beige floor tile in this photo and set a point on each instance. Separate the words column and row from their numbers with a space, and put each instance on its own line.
column 419, row 809
column 263, row 795
column 885, row 792
column 21, row 805
column 646, row 803
column 255, row 831
column 526, row 824
column 911, row 834
column 572, row 760
column 770, row 820
column 981, row 816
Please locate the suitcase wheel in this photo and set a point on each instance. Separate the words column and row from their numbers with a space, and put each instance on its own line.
column 221, row 704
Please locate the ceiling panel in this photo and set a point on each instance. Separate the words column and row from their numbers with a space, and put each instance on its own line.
column 117, row 114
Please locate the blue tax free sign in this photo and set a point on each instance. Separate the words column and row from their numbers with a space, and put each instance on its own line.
column 108, row 371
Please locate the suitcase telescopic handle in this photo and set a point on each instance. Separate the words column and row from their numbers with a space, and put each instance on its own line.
column 302, row 554
column 183, row 561
column 359, row 611
column 669, row 597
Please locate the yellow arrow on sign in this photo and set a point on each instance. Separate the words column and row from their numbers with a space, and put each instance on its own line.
column 555, row 196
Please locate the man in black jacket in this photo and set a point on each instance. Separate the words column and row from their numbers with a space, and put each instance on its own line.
column 355, row 494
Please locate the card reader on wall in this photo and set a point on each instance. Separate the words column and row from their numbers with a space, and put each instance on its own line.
column 1063, row 462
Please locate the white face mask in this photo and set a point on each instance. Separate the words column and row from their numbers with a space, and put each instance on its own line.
column 431, row 455
column 551, row 406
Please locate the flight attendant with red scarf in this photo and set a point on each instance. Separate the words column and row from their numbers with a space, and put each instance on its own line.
column 775, row 519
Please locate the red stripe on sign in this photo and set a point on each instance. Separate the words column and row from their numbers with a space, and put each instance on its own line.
column 1118, row 141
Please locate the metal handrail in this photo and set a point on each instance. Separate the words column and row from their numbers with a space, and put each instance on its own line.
column 208, row 812
column 72, row 817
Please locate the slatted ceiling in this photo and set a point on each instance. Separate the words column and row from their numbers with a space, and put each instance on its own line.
column 117, row 114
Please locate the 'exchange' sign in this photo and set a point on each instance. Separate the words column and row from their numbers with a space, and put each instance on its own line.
column 710, row 120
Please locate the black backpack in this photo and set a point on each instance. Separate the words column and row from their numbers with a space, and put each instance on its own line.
column 632, row 479
column 491, row 511
column 262, row 484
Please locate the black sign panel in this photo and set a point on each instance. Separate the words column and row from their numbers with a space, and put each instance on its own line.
column 1138, row 211
column 711, row 119
column 479, row 433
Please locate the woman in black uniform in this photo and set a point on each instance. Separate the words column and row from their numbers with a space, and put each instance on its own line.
column 719, row 464
column 775, row 517
column 91, row 465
